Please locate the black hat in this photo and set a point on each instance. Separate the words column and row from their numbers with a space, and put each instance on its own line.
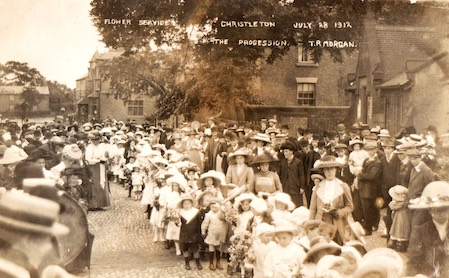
column 288, row 146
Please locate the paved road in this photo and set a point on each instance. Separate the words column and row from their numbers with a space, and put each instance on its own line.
column 123, row 246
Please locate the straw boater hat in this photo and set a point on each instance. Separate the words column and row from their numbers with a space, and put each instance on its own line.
column 356, row 141
column 282, row 198
column 398, row 192
column 244, row 196
column 272, row 121
column 341, row 146
column 262, row 137
column 266, row 157
column 24, row 213
column 320, row 244
column 246, row 153
column 384, row 133
column 370, row 145
column 13, row 154
column 218, row 178
column 327, row 161
column 317, row 176
column 434, row 195
column 187, row 197
column 272, row 130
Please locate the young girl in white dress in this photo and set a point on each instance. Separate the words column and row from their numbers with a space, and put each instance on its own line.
column 178, row 185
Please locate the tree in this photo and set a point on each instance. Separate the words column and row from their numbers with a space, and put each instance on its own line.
column 155, row 74
column 223, row 72
column 60, row 96
column 20, row 74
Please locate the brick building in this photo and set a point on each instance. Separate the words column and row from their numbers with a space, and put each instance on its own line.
column 11, row 96
column 300, row 93
column 97, row 101
column 400, row 77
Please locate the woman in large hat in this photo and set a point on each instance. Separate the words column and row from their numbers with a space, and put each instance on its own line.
column 239, row 173
column 193, row 146
column 265, row 180
column 428, row 250
column 96, row 158
column 331, row 202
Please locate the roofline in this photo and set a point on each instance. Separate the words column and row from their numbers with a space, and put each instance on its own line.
column 430, row 61
column 255, row 106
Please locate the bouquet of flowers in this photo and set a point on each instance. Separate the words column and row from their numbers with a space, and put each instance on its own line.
column 230, row 216
column 241, row 250
column 172, row 215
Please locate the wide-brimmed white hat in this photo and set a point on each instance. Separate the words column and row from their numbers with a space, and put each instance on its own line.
column 263, row 228
column 259, row 205
column 13, row 154
column 187, row 197
column 319, row 244
column 178, row 179
column 72, row 151
column 242, row 197
column 434, row 195
column 282, row 198
column 218, row 178
column 301, row 214
column 246, row 153
column 262, row 137
column 327, row 161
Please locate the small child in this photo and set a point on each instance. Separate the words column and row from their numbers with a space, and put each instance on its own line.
column 211, row 181
column 213, row 230
column 178, row 186
column 137, row 180
column 401, row 225
column 127, row 172
column 327, row 231
column 261, row 246
column 286, row 258
column 356, row 159
column 245, row 213
column 190, row 234
column 282, row 206
column 156, row 213
column 73, row 187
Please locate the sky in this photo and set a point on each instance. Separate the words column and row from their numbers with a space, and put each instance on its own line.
column 57, row 37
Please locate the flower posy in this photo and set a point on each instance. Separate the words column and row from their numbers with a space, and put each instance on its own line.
column 231, row 216
column 241, row 244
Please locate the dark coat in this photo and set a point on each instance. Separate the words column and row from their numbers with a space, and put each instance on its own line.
column 191, row 232
column 369, row 178
column 389, row 175
column 292, row 178
column 419, row 180
column 426, row 250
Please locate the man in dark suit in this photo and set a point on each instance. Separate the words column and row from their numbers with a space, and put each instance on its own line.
column 420, row 176
column 368, row 183
column 291, row 173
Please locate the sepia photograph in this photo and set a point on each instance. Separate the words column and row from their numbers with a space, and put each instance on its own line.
column 224, row 138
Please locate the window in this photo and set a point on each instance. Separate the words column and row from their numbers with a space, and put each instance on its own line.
column 306, row 90
column 97, row 84
column 135, row 107
column 304, row 56
column 306, row 94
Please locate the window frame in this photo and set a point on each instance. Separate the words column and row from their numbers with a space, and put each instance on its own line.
column 135, row 107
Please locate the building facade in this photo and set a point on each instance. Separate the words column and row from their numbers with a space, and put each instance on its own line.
column 304, row 94
column 11, row 97
column 97, row 101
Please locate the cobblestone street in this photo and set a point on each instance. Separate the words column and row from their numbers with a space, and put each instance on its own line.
column 123, row 245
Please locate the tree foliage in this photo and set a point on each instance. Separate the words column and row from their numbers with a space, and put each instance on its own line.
column 30, row 98
column 20, row 74
column 61, row 96
column 221, row 74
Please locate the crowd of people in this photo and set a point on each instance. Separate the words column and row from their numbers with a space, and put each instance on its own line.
column 261, row 200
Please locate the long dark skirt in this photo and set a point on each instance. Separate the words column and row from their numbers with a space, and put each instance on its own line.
column 101, row 195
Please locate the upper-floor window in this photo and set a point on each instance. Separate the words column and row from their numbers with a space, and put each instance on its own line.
column 304, row 56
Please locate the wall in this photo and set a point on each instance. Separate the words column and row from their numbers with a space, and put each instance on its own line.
column 430, row 98
column 116, row 108
column 277, row 82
